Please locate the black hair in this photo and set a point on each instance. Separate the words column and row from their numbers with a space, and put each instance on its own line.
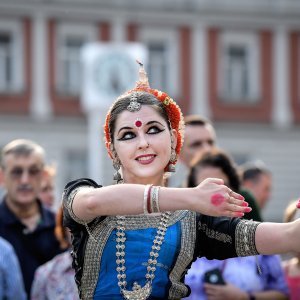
column 218, row 159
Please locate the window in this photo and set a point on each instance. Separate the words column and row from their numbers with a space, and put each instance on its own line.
column 239, row 67
column 5, row 61
column 11, row 68
column 236, row 73
column 162, row 66
column 158, row 66
column 71, row 38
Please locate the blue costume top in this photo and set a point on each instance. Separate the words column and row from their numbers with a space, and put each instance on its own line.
column 138, row 245
column 189, row 235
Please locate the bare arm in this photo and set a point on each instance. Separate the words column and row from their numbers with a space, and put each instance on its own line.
column 275, row 238
column 125, row 199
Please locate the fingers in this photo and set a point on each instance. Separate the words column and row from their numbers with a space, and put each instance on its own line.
column 235, row 195
column 236, row 204
column 214, row 180
column 238, row 208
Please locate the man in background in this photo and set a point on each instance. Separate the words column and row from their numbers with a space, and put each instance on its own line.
column 257, row 179
column 24, row 222
column 199, row 138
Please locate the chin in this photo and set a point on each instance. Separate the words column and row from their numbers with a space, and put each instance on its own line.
column 26, row 200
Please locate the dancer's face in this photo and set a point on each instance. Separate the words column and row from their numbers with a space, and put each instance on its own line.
column 142, row 141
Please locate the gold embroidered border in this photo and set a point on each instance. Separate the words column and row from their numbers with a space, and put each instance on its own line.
column 220, row 236
column 178, row 289
column 69, row 204
column 245, row 238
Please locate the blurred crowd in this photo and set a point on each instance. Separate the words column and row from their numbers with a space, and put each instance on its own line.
column 35, row 254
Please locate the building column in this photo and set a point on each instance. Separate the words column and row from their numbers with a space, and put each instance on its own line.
column 40, row 102
column 281, row 112
column 200, row 103
column 118, row 30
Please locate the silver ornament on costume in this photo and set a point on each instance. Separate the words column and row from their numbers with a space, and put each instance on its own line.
column 138, row 292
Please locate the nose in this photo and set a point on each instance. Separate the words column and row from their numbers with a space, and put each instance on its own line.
column 24, row 177
column 143, row 142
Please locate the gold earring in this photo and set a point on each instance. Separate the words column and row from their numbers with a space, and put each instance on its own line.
column 117, row 175
column 173, row 159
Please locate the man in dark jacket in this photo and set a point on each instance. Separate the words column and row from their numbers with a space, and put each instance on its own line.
column 24, row 222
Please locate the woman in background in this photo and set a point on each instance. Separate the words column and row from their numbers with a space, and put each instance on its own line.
column 242, row 278
column 55, row 279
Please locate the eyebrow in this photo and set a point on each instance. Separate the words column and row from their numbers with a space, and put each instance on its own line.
column 149, row 123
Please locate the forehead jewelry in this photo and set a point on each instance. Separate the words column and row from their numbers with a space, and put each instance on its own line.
column 138, row 123
column 134, row 105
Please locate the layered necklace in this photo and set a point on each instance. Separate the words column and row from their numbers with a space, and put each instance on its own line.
column 138, row 292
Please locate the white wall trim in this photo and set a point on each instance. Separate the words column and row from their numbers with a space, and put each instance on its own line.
column 200, row 104
column 281, row 113
column 40, row 104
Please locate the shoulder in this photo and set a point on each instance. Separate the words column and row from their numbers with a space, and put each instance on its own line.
column 80, row 182
column 5, row 247
column 68, row 196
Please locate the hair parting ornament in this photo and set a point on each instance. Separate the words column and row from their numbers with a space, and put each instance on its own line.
column 173, row 111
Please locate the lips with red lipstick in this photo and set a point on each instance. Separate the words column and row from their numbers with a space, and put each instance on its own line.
column 145, row 159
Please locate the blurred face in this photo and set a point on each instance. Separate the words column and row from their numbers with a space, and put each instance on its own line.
column 22, row 178
column 142, row 142
column 46, row 194
column 197, row 141
column 210, row 172
column 261, row 189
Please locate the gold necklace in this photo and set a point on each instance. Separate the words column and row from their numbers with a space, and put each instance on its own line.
column 138, row 292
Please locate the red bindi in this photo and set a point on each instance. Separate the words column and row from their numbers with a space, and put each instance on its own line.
column 138, row 123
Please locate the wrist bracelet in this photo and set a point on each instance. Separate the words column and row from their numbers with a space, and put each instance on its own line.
column 155, row 199
column 146, row 196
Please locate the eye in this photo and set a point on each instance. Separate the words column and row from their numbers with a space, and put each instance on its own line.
column 127, row 135
column 154, row 130
column 34, row 171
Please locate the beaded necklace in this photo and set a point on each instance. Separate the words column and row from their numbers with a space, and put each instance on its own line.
column 138, row 292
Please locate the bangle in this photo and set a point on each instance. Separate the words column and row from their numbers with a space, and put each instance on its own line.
column 155, row 199
column 149, row 208
column 146, row 193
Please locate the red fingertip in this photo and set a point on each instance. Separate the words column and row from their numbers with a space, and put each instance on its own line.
column 248, row 209
column 241, row 197
column 245, row 203
column 239, row 214
column 298, row 204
